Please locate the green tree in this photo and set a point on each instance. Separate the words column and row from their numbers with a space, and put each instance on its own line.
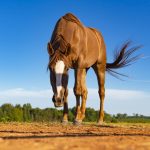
column 90, row 115
column 107, row 117
column 27, row 112
column 7, row 110
column 18, row 114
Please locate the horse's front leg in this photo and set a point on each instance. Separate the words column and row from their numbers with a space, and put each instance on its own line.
column 78, row 111
column 83, row 104
column 65, row 111
column 83, row 94
column 80, row 91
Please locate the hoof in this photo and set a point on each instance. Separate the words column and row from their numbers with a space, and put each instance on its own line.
column 101, row 123
column 77, row 122
column 64, row 122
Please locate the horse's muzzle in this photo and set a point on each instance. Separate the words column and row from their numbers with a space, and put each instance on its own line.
column 58, row 102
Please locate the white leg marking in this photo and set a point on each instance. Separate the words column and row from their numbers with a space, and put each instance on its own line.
column 59, row 69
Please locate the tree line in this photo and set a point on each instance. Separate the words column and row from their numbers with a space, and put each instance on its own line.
column 26, row 113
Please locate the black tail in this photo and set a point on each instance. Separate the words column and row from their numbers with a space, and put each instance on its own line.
column 122, row 58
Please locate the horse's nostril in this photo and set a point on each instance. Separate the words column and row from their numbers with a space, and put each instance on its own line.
column 53, row 99
column 59, row 100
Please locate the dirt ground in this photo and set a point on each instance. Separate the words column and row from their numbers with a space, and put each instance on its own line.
column 47, row 136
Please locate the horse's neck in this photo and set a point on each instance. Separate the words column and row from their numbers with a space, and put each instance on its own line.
column 71, row 31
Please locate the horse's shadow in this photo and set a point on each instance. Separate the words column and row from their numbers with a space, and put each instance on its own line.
column 63, row 135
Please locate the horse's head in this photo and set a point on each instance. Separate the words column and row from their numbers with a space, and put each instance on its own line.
column 59, row 82
column 58, row 67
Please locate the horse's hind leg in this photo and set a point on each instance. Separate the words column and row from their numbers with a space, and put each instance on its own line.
column 80, row 91
column 100, row 73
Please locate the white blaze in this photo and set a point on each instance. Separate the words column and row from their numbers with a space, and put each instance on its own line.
column 59, row 69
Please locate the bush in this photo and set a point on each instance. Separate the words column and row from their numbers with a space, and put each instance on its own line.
column 26, row 113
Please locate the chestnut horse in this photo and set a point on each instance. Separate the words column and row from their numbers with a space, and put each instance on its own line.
column 75, row 46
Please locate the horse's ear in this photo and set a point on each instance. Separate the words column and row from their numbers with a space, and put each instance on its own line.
column 50, row 49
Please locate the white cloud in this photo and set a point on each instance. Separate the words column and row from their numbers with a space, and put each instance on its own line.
column 20, row 92
column 126, row 95
column 116, row 101
column 38, row 98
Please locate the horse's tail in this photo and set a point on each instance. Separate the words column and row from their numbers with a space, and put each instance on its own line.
column 122, row 58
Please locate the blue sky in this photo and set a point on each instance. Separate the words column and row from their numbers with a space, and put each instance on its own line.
column 27, row 25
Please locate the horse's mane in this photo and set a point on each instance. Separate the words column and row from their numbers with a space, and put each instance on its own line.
column 72, row 18
column 58, row 27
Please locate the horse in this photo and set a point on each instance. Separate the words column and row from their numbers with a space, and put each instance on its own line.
column 73, row 45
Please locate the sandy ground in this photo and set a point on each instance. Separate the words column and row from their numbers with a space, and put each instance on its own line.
column 47, row 136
